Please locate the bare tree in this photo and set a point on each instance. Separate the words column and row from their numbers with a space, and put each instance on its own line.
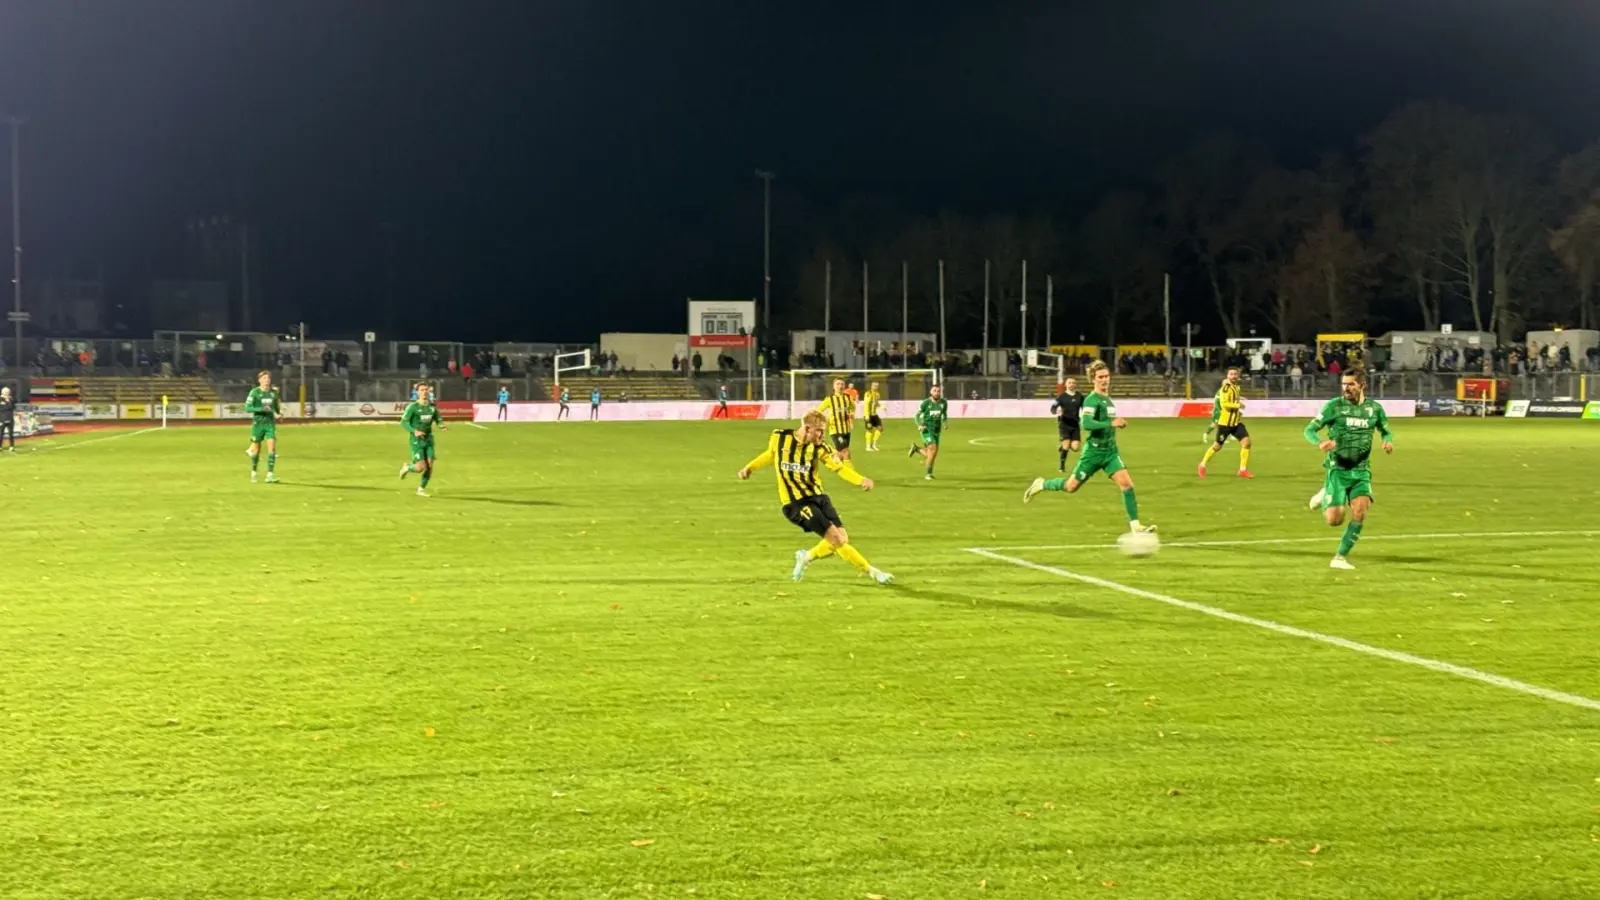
column 1120, row 257
column 1202, row 189
column 1326, row 281
column 1518, row 203
column 1576, row 242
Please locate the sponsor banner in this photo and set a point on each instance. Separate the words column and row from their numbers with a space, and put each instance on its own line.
column 59, row 410
column 100, row 411
column 173, row 411
column 135, row 411
column 905, row 409
column 205, row 411
column 384, row 409
column 1451, row 406
column 1592, row 411
column 1556, row 409
column 721, row 340
column 1517, row 409
column 1195, row 409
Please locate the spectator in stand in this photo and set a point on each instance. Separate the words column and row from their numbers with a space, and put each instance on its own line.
column 466, row 374
column 697, row 362
column 1334, row 368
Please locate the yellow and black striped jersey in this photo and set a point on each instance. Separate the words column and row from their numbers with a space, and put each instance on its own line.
column 798, row 464
column 841, row 412
column 869, row 403
column 1232, row 405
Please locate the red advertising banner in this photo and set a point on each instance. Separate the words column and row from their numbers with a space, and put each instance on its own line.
column 720, row 340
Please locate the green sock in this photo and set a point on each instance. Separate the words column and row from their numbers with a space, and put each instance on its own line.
column 1352, row 533
column 255, row 461
column 1131, row 504
column 928, row 470
column 426, row 474
column 1055, row 484
column 272, row 461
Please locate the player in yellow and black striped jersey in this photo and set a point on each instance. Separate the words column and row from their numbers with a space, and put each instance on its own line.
column 1230, row 423
column 798, row 456
column 870, row 403
column 839, row 413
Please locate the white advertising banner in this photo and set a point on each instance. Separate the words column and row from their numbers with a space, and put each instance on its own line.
column 1289, row 408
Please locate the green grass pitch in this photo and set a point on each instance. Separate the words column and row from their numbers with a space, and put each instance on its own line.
column 581, row 670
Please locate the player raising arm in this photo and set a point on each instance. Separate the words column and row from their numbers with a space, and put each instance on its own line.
column 264, row 408
column 1099, row 422
column 797, row 457
column 1350, row 419
column 418, row 421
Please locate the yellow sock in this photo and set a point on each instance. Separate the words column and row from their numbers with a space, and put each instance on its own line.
column 823, row 548
column 1210, row 452
column 854, row 558
column 1244, row 458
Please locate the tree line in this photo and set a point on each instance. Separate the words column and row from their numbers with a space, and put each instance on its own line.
column 1439, row 214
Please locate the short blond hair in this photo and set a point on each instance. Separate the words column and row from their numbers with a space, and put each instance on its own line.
column 814, row 419
column 1096, row 366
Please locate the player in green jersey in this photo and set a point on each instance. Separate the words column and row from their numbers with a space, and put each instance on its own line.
column 418, row 420
column 932, row 416
column 264, row 408
column 1216, row 414
column 1351, row 420
column 1099, row 422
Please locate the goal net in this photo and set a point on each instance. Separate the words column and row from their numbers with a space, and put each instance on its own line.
column 1053, row 363
column 808, row 387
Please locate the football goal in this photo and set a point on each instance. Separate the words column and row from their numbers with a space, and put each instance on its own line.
column 807, row 387
column 576, row 361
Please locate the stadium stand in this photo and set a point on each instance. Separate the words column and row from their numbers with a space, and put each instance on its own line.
column 638, row 388
column 185, row 389
column 1143, row 386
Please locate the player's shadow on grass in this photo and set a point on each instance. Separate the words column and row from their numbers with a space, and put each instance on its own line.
column 1048, row 608
column 445, row 497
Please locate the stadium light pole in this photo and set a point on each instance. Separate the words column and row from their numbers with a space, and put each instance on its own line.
column 16, row 233
column 1189, row 331
column 766, row 252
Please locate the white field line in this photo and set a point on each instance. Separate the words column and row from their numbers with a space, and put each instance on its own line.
column 96, row 440
column 1432, row 665
column 476, row 425
column 1331, row 535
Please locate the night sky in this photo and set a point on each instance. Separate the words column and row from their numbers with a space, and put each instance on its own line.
column 552, row 170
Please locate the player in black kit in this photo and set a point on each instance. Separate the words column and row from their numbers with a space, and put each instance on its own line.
column 8, row 418
column 1067, row 406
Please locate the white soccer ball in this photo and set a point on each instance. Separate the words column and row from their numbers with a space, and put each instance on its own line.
column 1139, row 543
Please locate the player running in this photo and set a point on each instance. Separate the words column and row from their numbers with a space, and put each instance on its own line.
column 839, row 411
column 870, row 403
column 797, row 457
column 1229, row 422
column 264, row 407
column 932, row 416
column 1069, row 403
column 1350, row 419
column 1099, row 420
column 721, row 412
column 1216, row 414
column 418, row 421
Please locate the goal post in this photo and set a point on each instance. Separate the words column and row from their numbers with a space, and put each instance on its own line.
column 1052, row 362
column 808, row 387
column 576, row 361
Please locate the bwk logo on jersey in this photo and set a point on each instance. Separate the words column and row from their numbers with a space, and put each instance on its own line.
column 1353, row 422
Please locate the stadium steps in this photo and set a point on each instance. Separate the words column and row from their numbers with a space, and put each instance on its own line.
column 612, row 386
column 185, row 389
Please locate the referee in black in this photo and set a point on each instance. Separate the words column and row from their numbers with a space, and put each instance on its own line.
column 8, row 418
column 1067, row 406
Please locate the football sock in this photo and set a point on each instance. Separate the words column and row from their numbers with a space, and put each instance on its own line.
column 822, row 549
column 1352, row 533
column 427, row 473
column 1210, row 452
column 928, row 470
column 1055, row 484
column 1244, row 458
column 255, row 461
column 272, row 461
column 854, row 558
column 1131, row 504
column 1064, row 452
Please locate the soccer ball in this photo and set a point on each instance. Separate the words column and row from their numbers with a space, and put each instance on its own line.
column 1139, row 543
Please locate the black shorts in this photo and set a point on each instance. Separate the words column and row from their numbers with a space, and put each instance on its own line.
column 840, row 441
column 874, row 422
column 813, row 514
column 1237, row 432
column 1068, row 431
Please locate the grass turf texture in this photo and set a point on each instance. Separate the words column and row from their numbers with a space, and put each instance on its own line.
column 581, row 670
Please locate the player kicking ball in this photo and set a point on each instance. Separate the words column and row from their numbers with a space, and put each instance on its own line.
column 418, row 420
column 798, row 457
column 1351, row 419
column 1099, row 423
column 264, row 408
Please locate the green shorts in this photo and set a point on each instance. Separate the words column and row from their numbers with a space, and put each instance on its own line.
column 1092, row 461
column 263, row 430
column 930, row 437
column 421, row 449
column 1344, row 485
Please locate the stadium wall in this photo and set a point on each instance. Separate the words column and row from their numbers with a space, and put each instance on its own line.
column 905, row 409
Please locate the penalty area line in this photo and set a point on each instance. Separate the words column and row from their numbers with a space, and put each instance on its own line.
column 1432, row 665
column 1259, row 542
column 476, row 425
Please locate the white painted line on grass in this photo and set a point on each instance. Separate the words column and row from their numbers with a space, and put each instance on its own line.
column 1424, row 662
column 1332, row 535
column 980, row 441
column 476, row 425
column 101, row 439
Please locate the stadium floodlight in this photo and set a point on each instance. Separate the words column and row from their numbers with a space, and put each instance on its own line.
column 576, row 361
column 811, row 385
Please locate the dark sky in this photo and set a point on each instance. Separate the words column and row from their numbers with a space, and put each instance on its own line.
column 555, row 169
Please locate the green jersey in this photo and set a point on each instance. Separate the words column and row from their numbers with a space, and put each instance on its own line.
column 1094, row 419
column 262, row 404
column 421, row 417
column 932, row 414
column 1350, row 427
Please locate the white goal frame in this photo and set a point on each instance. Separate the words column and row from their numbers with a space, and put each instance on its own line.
column 936, row 376
column 1041, row 359
column 558, row 365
